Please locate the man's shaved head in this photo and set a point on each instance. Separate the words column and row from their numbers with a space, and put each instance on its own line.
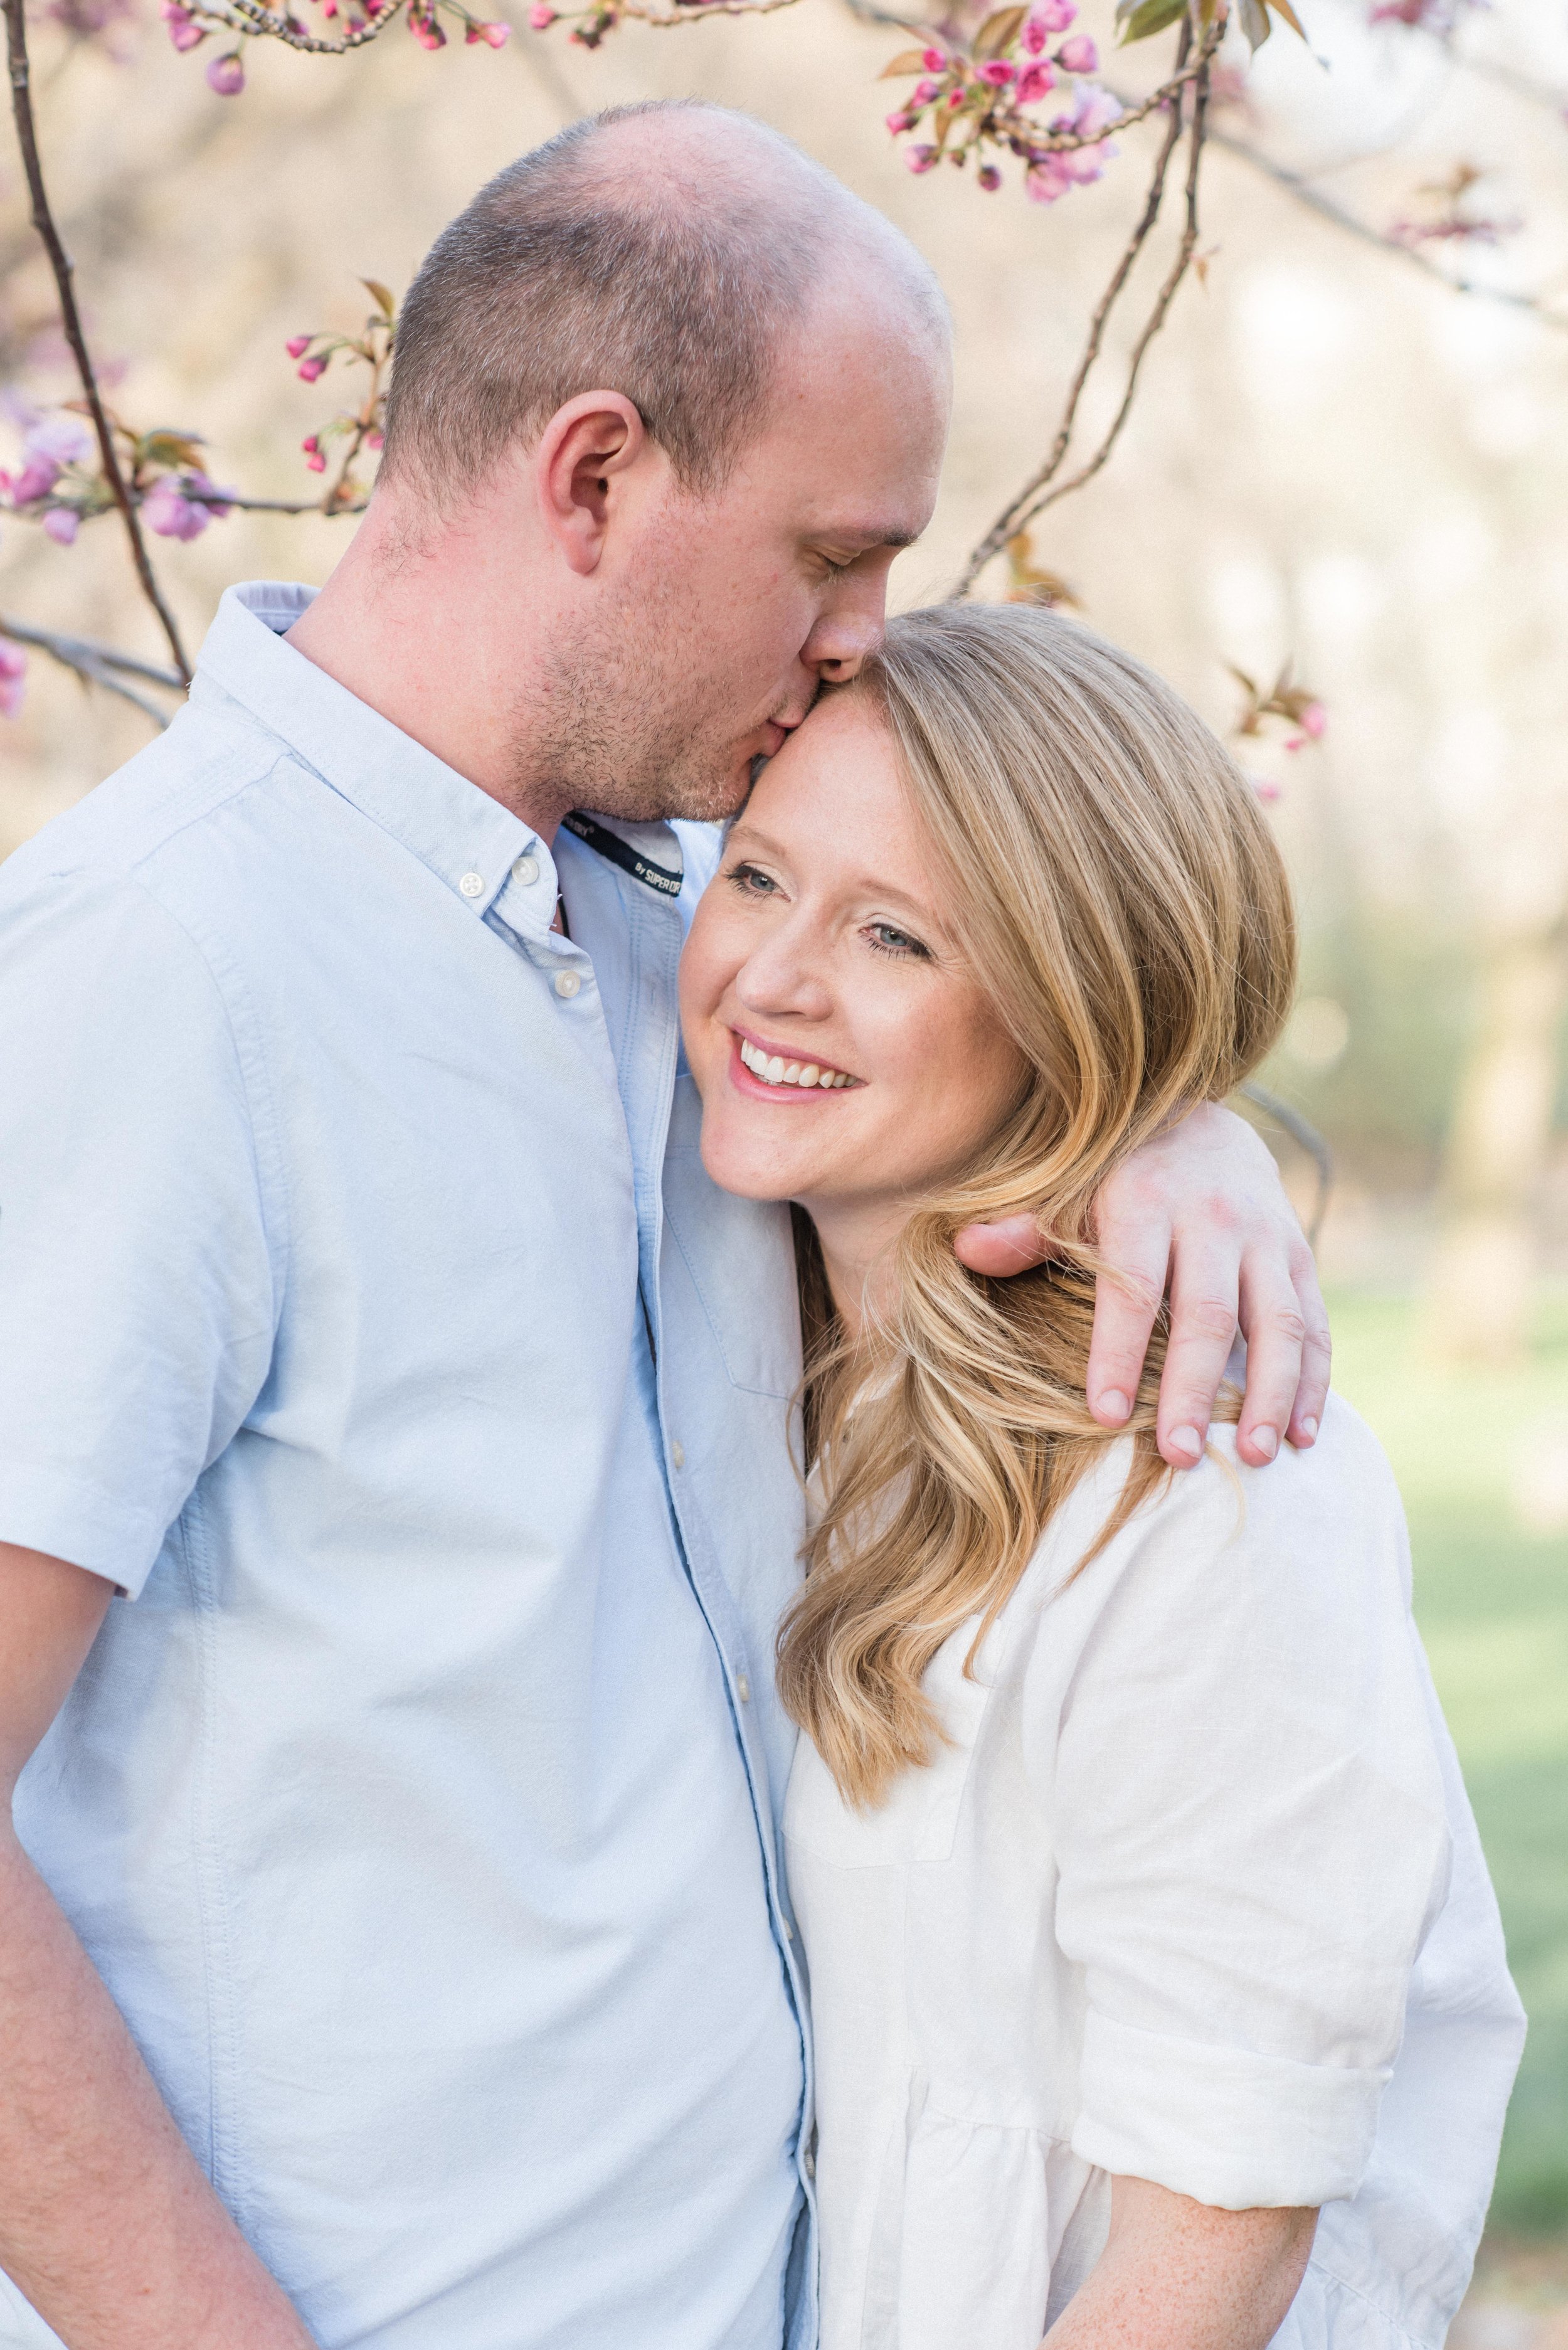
column 664, row 251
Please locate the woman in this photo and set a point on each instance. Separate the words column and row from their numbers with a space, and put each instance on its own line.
column 1143, row 1907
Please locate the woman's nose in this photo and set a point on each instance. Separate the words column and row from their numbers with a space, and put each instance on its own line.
column 783, row 976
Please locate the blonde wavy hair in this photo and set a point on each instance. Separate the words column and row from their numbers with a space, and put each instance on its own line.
column 1111, row 880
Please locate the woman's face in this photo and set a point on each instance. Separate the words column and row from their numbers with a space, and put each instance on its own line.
column 844, row 1053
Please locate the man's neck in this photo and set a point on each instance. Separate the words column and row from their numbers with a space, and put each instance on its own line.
column 402, row 626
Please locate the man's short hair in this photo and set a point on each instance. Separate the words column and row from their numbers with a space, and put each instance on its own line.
column 667, row 275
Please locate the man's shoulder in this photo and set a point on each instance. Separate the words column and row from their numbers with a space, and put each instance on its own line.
column 162, row 807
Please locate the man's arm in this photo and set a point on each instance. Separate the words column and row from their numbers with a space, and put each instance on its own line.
column 1201, row 1212
column 1180, row 2275
column 106, row 2223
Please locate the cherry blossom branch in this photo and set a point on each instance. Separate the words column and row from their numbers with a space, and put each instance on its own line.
column 1043, row 489
column 70, row 319
column 1327, row 209
column 97, row 664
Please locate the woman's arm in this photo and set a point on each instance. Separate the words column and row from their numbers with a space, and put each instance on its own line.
column 1180, row 2275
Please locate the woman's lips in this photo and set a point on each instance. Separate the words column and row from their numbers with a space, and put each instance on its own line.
column 761, row 1088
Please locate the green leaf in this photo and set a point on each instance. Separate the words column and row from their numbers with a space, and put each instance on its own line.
column 1144, row 18
column 177, row 451
column 908, row 61
column 381, row 295
column 1255, row 24
column 998, row 33
column 1283, row 8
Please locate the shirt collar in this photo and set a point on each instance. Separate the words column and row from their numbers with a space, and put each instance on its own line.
column 448, row 823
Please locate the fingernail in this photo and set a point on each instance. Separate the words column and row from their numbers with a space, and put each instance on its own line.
column 1309, row 1429
column 1185, row 1440
column 1264, row 1440
column 1113, row 1404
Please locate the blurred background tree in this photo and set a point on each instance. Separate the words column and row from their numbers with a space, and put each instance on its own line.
column 1334, row 517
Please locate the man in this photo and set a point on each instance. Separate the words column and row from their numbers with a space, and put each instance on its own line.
column 393, row 1951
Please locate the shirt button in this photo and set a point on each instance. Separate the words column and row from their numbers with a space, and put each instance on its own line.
column 566, row 984
column 743, row 1688
column 677, row 1453
column 473, row 885
column 525, row 870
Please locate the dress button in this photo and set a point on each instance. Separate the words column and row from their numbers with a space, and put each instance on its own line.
column 525, row 870
column 473, row 885
column 677, row 1453
column 566, row 984
column 743, row 1688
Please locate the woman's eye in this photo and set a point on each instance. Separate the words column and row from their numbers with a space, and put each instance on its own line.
column 887, row 941
column 751, row 880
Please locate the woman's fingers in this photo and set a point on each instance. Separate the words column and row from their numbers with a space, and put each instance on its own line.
column 1127, row 1300
column 1275, row 1329
column 1205, row 1292
column 1013, row 1244
column 1317, row 1351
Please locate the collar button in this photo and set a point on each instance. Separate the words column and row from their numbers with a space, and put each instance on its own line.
column 471, row 885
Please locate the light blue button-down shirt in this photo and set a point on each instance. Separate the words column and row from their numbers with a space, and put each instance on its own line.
column 365, row 1314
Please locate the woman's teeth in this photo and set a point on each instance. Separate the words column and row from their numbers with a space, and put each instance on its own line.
column 775, row 1070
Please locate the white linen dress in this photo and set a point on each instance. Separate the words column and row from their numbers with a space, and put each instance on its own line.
column 1192, row 1892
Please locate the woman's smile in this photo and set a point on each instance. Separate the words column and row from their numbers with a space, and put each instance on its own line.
column 781, row 1072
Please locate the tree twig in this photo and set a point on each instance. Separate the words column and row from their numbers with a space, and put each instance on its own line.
column 70, row 319
column 1326, row 209
column 97, row 664
column 1043, row 489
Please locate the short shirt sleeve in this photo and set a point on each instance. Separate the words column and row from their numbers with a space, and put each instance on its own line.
column 136, row 1277
column 1251, row 1829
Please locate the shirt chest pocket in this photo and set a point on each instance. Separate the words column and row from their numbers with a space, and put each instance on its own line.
column 918, row 1820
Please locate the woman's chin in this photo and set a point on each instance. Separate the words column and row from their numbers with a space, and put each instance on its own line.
column 740, row 1173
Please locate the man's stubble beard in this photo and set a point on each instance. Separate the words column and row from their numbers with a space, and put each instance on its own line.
column 618, row 728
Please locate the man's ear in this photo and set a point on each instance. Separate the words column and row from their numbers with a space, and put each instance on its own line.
column 585, row 445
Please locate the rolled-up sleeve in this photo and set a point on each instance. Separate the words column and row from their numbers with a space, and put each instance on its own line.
column 136, row 1266
column 1251, row 1830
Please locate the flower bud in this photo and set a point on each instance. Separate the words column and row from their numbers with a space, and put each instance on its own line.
column 297, row 345
column 997, row 72
column 900, row 121
column 935, row 61
column 308, row 370
column 1078, row 56
column 61, row 524
column 226, row 78
column 541, row 17
column 919, row 159
column 990, row 178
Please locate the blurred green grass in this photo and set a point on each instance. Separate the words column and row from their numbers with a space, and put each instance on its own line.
column 1491, row 1597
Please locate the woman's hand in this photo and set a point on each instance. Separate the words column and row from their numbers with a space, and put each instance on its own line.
column 1180, row 2275
column 1199, row 1211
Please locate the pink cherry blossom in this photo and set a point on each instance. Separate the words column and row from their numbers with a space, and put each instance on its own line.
column 924, row 92
column 919, row 159
column 1094, row 110
column 997, row 72
column 1046, row 17
column 183, row 30
column 13, row 677
column 1084, row 165
column 58, row 440
column 900, row 120
column 176, row 507
column 541, row 17
column 935, row 60
column 990, row 178
column 1034, row 83
column 297, row 345
column 313, row 457
column 373, row 440
column 61, row 524
column 310, row 369
column 1078, row 56
column 1313, row 720
column 497, row 35
column 36, row 480
column 1045, row 179
column 226, row 75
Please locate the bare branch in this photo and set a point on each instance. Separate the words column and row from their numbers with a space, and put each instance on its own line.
column 70, row 319
column 97, row 664
column 1043, row 490
column 1326, row 209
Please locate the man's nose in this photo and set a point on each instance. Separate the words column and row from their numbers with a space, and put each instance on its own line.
column 848, row 633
